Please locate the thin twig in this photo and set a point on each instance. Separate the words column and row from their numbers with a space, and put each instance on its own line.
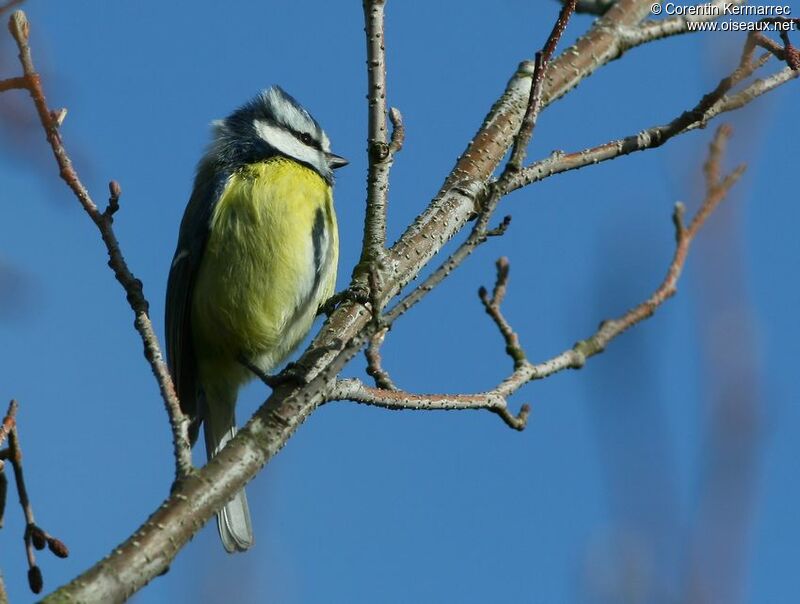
column 492, row 306
column 398, row 132
column 787, row 53
column 356, row 391
column 657, row 29
column 34, row 572
column 375, row 362
column 711, row 105
column 18, row 25
column 13, row 84
column 35, row 537
column 541, row 62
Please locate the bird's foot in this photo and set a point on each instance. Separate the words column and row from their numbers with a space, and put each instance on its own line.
column 356, row 293
column 290, row 373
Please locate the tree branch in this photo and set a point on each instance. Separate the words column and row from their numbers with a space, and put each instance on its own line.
column 495, row 400
column 375, row 363
column 540, row 63
column 35, row 537
column 356, row 391
column 492, row 308
column 711, row 105
column 380, row 151
column 19, row 28
column 657, row 29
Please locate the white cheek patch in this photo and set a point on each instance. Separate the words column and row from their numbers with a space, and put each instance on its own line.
column 287, row 144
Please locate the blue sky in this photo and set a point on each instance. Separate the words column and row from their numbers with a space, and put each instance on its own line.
column 620, row 472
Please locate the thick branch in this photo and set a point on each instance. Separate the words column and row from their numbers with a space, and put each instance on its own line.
column 379, row 152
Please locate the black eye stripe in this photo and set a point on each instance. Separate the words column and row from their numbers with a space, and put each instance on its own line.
column 306, row 139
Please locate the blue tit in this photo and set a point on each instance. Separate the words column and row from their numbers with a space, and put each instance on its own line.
column 257, row 255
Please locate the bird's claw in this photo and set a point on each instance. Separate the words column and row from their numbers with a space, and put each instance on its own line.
column 290, row 373
column 351, row 294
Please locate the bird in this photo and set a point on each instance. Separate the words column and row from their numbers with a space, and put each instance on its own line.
column 256, row 257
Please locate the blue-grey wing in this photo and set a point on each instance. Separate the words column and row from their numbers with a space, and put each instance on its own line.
column 192, row 240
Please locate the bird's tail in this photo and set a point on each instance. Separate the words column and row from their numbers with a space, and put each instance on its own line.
column 233, row 521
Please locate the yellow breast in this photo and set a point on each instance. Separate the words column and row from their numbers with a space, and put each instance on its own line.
column 269, row 262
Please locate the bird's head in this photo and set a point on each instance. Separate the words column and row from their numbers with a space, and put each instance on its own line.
column 274, row 123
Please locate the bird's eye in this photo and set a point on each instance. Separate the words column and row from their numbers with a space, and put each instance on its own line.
column 306, row 138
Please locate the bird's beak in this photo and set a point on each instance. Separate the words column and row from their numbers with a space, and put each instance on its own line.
column 335, row 161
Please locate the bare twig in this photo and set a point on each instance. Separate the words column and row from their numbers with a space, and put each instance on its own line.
column 375, row 363
column 788, row 52
column 492, row 307
column 35, row 537
column 652, row 30
column 541, row 61
column 13, row 84
column 398, row 132
column 18, row 25
column 356, row 391
column 710, row 106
